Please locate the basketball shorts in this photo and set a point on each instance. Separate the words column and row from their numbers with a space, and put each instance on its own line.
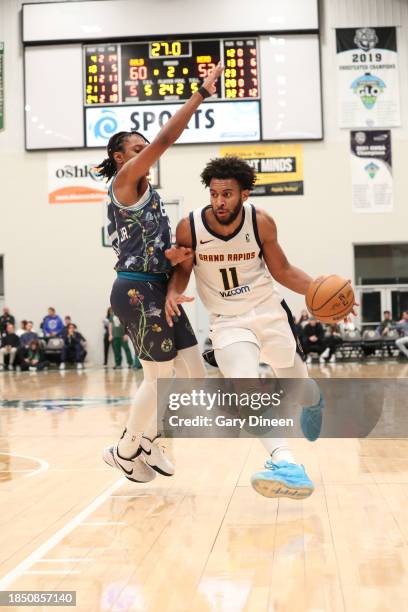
column 269, row 325
column 140, row 308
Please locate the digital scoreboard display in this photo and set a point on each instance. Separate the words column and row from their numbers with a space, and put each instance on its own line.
column 169, row 71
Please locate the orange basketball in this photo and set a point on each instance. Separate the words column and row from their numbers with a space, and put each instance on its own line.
column 330, row 298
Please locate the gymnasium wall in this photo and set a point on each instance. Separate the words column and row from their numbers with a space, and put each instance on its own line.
column 53, row 254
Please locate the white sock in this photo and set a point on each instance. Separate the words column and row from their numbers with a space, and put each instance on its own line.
column 278, row 449
column 282, row 453
column 144, row 408
column 187, row 364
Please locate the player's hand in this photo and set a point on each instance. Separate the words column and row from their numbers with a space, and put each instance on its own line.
column 210, row 83
column 177, row 254
column 171, row 307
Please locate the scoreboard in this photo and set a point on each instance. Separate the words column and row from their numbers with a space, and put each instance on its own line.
column 169, row 70
column 133, row 69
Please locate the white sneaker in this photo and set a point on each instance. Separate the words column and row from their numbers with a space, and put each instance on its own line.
column 134, row 469
column 324, row 355
column 309, row 360
column 154, row 455
column 62, row 366
column 80, row 366
column 332, row 359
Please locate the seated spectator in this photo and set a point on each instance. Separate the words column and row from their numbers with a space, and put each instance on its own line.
column 73, row 350
column 52, row 324
column 119, row 341
column 29, row 335
column 5, row 318
column 331, row 341
column 313, row 338
column 386, row 324
column 9, row 346
column 32, row 357
column 20, row 332
column 402, row 326
column 67, row 321
column 302, row 321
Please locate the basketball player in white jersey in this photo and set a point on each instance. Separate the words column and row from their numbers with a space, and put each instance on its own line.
column 237, row 258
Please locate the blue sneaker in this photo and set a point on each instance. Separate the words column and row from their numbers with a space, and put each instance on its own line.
column 311, row 420
column 283, row 479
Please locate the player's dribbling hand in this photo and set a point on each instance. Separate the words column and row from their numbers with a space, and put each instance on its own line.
column 177, row 254
column 171, row 306
column 210, row 83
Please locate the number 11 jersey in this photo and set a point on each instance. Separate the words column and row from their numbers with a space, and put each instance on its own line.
column 231, row 275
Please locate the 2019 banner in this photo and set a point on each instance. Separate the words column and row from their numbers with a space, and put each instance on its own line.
column 367, row 77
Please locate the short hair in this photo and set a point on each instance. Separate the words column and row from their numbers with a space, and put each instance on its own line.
column 387, row 312
column 51, row 308
column 229, row 168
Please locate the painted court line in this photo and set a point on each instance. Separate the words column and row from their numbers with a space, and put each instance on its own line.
column 44, row 465
column 43, row 549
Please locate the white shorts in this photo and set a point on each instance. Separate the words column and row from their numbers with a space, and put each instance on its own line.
column 266, row 325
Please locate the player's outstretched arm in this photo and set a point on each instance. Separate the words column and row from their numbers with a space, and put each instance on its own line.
column 278, row 265
column 181, row 273
column 139, row 166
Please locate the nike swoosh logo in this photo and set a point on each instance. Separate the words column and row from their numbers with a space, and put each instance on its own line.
column 121, row 466
column 205, row 241
column 149, row 452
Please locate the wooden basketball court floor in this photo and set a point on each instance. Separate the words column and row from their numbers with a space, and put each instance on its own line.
column 202, row 540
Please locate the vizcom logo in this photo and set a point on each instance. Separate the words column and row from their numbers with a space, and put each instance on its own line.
column 235, row 291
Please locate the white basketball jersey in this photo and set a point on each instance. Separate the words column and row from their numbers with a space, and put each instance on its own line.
column 230, row 272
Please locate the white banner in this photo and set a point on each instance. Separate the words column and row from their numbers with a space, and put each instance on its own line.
column 212, row 122
column 367, row 77
column 371, row 169
column 72, row 177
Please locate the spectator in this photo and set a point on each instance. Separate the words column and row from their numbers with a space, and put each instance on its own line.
column 386, row 324
column 67, row 321
column 33, row 357
column 52, row 324
column 22, row 329
column 332, row 340
column 313, row 338
column 302, row 321
column 106, row 341
column 119, row 341
column 5, row 318
column 73, row 350
column 402, row 326
column 29, row 335
column 9, row 346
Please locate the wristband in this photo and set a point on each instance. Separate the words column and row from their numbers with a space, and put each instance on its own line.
column 204, row 92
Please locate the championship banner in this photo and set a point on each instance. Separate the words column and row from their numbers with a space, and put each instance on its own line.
column 73, row 179
column 1, row 86
column 279, row 168
column 367, row 77
column 371, row 170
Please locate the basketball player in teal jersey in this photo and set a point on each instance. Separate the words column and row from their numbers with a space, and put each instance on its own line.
column 237, row 256
column 140, row 234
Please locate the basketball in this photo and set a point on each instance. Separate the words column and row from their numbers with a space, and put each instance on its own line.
column 330, row 298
